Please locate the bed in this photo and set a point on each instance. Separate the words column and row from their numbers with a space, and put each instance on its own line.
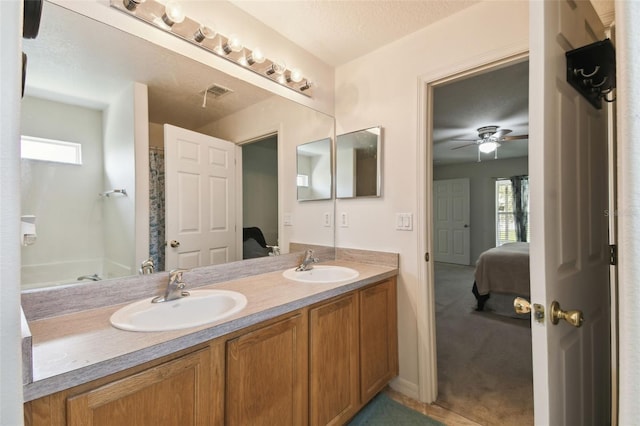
column 504, row 270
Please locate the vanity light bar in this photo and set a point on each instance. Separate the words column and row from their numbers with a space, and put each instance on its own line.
column 153, row 12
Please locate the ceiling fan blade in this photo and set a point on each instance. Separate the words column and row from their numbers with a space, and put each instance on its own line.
column 464, row 146
column 469, row 140
column 500, row 133
column 513, row 138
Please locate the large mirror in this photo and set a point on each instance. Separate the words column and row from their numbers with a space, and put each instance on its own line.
column 314, row 170
column 112, row 94
column 359, row 163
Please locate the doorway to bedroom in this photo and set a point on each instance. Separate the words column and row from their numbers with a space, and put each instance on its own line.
column 259, row 166
column 480, row 138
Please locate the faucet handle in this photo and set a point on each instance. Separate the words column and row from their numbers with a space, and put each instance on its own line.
column 176, row 275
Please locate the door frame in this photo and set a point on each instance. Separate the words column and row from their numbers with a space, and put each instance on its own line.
column 425, row 304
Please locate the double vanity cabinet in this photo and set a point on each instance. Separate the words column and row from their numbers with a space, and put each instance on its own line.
column 317, row 365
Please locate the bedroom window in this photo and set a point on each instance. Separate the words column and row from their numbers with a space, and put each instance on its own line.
column 505, row 215
column 505, row 220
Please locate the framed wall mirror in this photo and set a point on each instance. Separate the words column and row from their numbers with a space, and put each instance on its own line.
column 114, row 93
column 359, row 163
column 313, row 180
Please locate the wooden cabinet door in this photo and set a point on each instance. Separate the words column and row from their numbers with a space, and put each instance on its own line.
column 173, row 393
column 333, row 364
column 378, row 338
column 267, row 375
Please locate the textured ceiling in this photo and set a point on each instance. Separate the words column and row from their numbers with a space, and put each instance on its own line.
column 340, row 31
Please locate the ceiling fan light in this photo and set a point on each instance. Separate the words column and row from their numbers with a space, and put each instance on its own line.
column 487, row 147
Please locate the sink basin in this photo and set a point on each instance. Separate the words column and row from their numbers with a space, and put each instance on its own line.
column 201, row 307
column 322, row 274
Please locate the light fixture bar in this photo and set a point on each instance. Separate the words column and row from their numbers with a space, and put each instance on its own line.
column 204, row 36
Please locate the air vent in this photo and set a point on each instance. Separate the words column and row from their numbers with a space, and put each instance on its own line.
column 218, row 91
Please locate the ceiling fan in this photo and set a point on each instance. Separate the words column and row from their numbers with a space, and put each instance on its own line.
column 489, row 139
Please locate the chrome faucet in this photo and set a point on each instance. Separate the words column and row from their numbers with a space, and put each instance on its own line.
column 94, row 277
column 147, row 267
column 307, row 261
column 174, row 288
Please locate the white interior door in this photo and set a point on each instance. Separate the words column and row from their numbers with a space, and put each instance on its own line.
column 569, row 248
column 452, row 243
column 200, row 199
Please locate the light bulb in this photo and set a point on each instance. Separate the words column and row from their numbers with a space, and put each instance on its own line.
column 173, row 13
column 204, row 31
column 487, row 147
column 295, row 76
column 132, row 4
column 277, row 68
column 233, row 44
column 256, row 57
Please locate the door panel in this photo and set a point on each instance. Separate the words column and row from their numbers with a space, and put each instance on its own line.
column 452, row 242
column 200, row 199
column 569, row 250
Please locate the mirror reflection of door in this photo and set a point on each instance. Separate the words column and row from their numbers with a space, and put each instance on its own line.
column 259, row 196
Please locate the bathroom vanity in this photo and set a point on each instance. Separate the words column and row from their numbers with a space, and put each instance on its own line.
column 299, row 353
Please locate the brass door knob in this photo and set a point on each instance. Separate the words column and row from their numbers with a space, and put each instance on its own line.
column 573, row 317
column 521, row 305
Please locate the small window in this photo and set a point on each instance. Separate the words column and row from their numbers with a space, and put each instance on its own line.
column 303, row 180
column 50, row 150
column 505, row 221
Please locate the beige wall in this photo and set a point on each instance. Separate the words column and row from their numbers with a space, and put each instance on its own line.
column 383, row 88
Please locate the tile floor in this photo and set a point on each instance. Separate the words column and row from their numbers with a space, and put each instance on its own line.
column 436, row 412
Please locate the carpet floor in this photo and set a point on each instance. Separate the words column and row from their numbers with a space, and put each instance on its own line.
column 384, row 411
column 484, row 358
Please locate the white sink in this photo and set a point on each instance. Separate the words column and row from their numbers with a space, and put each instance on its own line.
column 199, row 308
column 322, row 274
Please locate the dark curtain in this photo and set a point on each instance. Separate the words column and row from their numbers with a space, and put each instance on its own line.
column 520, row 186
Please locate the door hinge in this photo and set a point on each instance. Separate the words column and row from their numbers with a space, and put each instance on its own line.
column 426, row 257
column 613, row 254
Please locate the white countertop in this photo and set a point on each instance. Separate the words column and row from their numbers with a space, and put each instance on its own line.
column 76, row 348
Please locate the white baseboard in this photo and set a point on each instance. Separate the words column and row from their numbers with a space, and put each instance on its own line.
column 405, row 387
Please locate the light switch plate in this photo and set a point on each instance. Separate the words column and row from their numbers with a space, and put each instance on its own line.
column 344, row 220
column 404, row 221
column 326, row 219
column 287, row 220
